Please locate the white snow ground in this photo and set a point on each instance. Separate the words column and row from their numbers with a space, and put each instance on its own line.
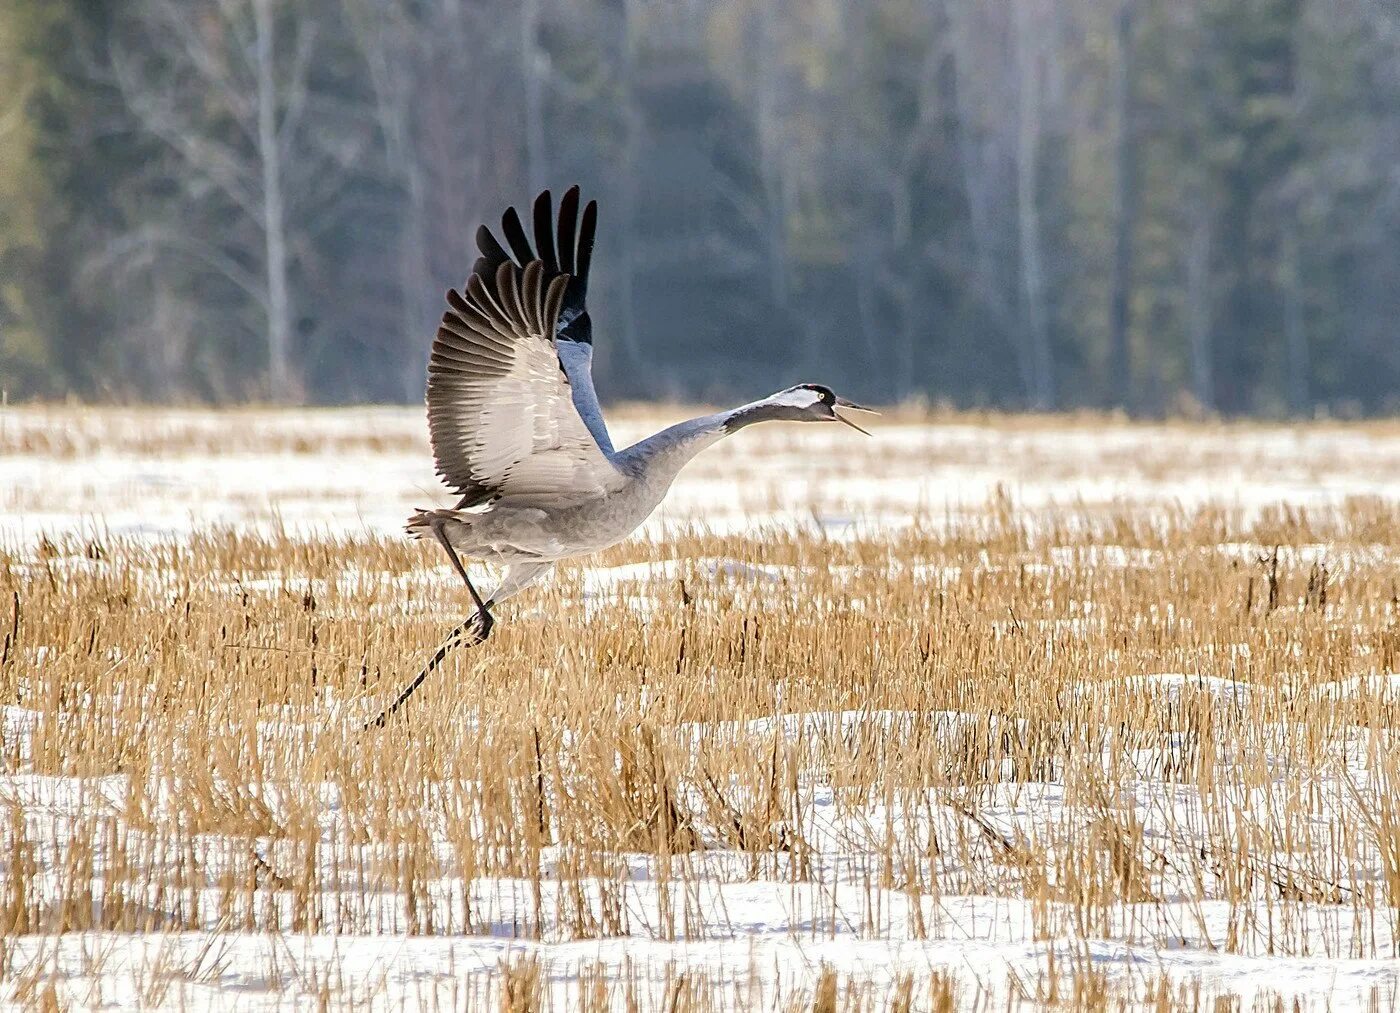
column 767, row 934
column 760, row 938
column 363, row 470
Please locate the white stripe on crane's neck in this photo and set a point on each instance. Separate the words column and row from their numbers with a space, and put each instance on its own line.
column 796, row 397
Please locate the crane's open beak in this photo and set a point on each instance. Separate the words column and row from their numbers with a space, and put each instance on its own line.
column 841, row 402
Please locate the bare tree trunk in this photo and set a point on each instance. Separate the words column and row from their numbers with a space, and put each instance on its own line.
column 1120, row 379
column 865, row 298
column 274, row 225
column 632, row 128
column 1198, row 315
column 169, row 340
column 415, row 284
column 1041, row 391
column 535, row 168
column 981, row 154
column 901, row 290
column 1294, row 332
column 773, row 150
column 393, row 40
column 977, row 187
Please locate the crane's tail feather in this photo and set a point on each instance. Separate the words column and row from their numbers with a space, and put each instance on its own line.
column 422, row 523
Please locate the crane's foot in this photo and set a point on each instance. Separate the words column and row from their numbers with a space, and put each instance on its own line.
column 474, row 630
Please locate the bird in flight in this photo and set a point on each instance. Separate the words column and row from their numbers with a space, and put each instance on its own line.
column 516, row 428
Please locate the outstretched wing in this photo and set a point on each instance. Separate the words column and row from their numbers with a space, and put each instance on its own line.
column 500, row 411
column 565, row 249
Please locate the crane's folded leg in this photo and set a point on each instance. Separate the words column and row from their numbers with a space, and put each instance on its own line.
column 476, row 627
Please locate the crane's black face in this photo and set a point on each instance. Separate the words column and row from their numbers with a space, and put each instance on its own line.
column 820, row 404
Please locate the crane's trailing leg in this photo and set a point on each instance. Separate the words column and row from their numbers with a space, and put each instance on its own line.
column 472, row 631
column 482, row 617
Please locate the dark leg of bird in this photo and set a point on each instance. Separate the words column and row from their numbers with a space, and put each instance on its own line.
column 470, row 632
column 462, row 570
column 454, row 640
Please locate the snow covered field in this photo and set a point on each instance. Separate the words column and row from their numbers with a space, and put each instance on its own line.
column 351, row 471
column 977, row 713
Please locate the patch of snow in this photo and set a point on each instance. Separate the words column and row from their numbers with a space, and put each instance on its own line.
column 1385, row 686
column 1172, row 686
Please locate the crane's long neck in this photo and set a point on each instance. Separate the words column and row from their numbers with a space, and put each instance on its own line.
column 661, row 457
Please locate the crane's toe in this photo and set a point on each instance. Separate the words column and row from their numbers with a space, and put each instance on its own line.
column 476, row 628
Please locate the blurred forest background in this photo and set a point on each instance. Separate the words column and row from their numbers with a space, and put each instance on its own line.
column 1163, row 205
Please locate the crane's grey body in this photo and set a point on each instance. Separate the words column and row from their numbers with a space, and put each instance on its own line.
column 516, row 427
column 531, row 531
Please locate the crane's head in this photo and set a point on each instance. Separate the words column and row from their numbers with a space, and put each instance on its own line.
column 815, row 403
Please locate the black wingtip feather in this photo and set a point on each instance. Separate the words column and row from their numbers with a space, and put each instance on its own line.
column 585, row 246
column 544, row 231
column 564, row 250
column 568, row 218
column 491, row 250
column 516, row 238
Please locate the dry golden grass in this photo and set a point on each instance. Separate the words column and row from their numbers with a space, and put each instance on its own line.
column 878, row 727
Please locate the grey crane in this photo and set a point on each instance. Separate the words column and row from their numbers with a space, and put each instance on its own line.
column 516, row 428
